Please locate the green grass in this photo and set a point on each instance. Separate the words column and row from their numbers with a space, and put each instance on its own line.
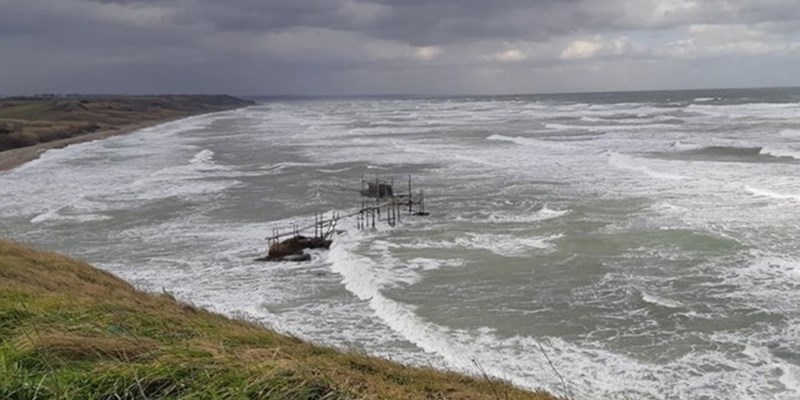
column 29, row 110
column 70, row 331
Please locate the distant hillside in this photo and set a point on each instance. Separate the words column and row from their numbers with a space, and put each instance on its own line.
column 70, row 331
column 26, row 121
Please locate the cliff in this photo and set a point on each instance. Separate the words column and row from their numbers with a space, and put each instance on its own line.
column 71, row 331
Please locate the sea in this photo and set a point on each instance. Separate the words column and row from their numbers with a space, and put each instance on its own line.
column 637, row 245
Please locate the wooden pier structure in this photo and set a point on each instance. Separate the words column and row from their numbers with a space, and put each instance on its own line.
column 379, row 202
column 380, row 195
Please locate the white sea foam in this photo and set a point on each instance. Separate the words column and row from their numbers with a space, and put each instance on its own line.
column 772, row 194
column 645, row 126
column 790, row 133
column 790, row 377
column 517, row 139
column 765, row 281
column 660, row 301
column 361, row 278
column 639, row 165
column 55, row 216
column 564, row 127
column 501, row 244
column 679, row 145
column 543, row 214
column 204, row 156
column 526, row 141
column 334, row 171
column 787, row 151
column 774, row 111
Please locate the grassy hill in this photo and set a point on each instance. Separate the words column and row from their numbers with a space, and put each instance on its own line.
column 71, row 331
column 26, row 121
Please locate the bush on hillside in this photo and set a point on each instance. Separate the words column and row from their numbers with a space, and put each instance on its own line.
column 22, row 139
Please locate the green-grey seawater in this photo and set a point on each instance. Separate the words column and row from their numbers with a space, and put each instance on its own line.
column 645, row 242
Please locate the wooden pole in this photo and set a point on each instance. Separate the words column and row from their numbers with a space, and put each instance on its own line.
column 409, row 194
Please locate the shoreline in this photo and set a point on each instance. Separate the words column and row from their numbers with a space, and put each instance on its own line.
column 11, row 159
column 103, row 338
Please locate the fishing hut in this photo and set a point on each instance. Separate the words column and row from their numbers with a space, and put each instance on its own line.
column 379, row 202
column 379, row 199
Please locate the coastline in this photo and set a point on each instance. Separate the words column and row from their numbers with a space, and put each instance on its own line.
column 29, row 126
column 13, row 158
column 99, row 337
column 10, row 159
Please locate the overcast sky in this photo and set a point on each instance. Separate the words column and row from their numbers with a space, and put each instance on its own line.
column 395, row 46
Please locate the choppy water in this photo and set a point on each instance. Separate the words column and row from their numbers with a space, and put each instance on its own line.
column 646, row 242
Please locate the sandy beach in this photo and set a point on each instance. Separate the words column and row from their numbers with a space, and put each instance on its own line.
column 55, row 122
column 11, row 159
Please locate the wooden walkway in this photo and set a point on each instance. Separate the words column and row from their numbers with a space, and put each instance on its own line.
column 378, row 203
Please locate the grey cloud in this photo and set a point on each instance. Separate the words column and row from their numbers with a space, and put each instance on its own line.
column 366, row 46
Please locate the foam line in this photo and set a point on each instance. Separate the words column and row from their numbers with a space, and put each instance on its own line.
column 782, row 151
column 771, row 194
column 660, row 301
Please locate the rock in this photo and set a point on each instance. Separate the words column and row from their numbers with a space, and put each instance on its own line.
column 294, row 248
column 298, row 257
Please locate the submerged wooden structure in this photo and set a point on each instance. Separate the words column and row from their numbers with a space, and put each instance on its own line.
column 379, row 197
column 379, row 202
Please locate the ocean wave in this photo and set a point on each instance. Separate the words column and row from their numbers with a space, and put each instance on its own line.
column 515, row 139
column 784, row 151
column 79, row 209
column 522, row 216
column 684, row 146
column 334, row 171
column 505, row 245
column 659, row 301
column 792, row 133
column 766, row 281
column 734, row 151
column 54, row 215
column 470, row 351
column 772, row 194
column 526, row 141
column 767, row 153
column 542, row 214
column 637, row 164
column 589, row 369
column 622, row 127
column 775, row 111
column 181, row 180
column 361, row 278
column 204, row 156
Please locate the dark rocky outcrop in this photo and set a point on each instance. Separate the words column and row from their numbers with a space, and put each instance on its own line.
column 294, row 249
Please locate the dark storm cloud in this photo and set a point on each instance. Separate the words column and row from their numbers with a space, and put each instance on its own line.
column 417, row 22
column 347, row 46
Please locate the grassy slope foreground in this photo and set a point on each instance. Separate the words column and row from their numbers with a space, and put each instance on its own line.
column 70, row 331
column 26, row 121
